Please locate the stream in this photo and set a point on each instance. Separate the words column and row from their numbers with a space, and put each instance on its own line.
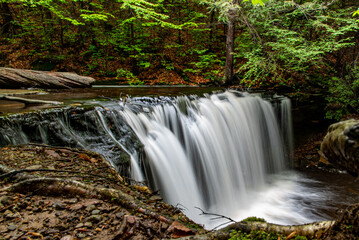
column 225, row 153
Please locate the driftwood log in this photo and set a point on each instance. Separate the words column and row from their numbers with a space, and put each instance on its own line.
column 29, row 101
column 23, row 78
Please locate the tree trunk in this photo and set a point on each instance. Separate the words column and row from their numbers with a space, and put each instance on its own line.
column 7, row 26
column 229, row 52
column 20, row 78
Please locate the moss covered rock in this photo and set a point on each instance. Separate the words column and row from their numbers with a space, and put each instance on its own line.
column 341, row 146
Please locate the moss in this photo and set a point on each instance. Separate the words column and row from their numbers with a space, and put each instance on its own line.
column 253, row 219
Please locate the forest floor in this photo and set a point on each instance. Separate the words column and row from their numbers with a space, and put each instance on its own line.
column 43, row 214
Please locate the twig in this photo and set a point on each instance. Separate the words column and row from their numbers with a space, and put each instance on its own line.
column 218, row 216
column 5, row 208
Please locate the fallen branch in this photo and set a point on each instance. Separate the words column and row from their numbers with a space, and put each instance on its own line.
column 311, row 231
column 29, row 101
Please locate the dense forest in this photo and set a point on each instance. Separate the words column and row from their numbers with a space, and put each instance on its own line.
column 296, row 46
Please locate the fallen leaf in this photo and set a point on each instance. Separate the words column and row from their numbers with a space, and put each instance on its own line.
column 179, row 230
column 291, row 235
column 52, row 153
column 34, row 234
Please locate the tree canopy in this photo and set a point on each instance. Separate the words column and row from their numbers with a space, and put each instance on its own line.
column 295, row 46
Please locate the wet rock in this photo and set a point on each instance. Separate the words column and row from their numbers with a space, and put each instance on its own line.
column 80, row 225
column 95, row 212
column 155, row 198
column 81, row 235
column 90, row 207
column 60, row 206
column 36, row 209
column 88, row 224
column 340, row 146
column 95, row 218
column 119, row 215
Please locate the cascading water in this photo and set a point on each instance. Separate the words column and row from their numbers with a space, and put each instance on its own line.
column 225, row 153
column 213, row 153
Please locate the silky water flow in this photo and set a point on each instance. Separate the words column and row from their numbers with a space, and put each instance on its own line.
column 222, row 154
column 227, row 153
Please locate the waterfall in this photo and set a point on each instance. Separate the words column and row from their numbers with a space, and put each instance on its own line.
column 226, row 153
column 212, row 153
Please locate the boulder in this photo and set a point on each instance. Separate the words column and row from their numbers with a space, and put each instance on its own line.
column 340, row 146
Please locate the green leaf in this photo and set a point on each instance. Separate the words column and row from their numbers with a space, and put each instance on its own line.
column 356, row 12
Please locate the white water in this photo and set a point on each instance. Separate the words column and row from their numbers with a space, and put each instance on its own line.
column 218, row 154
column 223, row 154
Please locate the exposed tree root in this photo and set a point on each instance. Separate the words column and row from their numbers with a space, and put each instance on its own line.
column 63, row 187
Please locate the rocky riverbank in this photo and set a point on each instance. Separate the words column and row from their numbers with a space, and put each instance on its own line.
column 66, row 194
column 51, row 211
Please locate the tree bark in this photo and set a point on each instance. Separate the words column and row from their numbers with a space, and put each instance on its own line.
column 311, row 231
column 229, row 52
column 22, row 78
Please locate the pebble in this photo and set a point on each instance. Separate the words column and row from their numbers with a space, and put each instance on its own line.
column 81, row 235
column 95, row 218
column 73, row 200
column 95, row 212
column 11, row 227
column 88, row 224
column 155, row 198
column 60, row 206
column 90, row 207
column 80, row 225
column 119, row 215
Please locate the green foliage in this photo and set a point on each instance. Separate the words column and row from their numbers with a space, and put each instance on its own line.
column 343, row 95
column 253, row 219
column 297, row 43
column 205, row 64
column 128, row 76
column 259, row 235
